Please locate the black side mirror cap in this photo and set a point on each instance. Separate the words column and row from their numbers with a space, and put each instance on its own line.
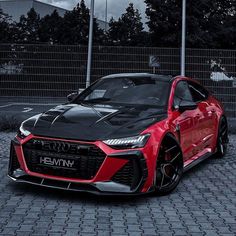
column 187, row 105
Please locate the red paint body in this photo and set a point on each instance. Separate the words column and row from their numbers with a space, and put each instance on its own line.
column 198, row 130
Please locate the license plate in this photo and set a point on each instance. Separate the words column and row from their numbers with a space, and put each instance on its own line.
column 57, row 162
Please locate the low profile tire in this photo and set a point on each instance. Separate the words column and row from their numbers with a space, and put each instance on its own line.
column 222, row 139
column 169, row 167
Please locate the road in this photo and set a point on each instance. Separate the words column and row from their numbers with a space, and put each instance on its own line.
column 203, row 204
column 18, row 110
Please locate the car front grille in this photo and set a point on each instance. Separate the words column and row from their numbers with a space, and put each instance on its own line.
column 55, row 157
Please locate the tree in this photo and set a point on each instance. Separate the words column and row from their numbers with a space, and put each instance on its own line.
column 205, row 21
column 229, row 29
column 29, row 27
column 214, row 16
column 164, row 22
column 50, row 28
column 6, row 28
column 75, row 26
column 222, row 21
column 128, row 29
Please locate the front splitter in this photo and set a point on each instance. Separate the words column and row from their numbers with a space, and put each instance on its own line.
column 98, row 188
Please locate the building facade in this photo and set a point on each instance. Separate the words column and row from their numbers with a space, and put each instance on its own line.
column 17, row 8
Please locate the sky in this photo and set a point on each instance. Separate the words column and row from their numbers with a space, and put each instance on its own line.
column 115, row 7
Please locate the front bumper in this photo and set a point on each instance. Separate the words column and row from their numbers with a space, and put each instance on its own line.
column 99, row 188
column 111, row 177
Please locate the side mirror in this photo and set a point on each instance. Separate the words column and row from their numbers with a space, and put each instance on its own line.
column 187, row 105
column 72, row 96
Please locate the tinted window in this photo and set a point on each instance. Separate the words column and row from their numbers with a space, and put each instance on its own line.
column 128, row 90
column 182, row 92
column 198, row 92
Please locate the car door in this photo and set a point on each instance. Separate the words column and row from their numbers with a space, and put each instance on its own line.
column 207, row 116
column 186, row 122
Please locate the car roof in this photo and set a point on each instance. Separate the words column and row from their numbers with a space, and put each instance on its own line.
column 167, row 78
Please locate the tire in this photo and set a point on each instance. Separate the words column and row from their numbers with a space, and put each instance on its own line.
column 169, row 166
column 222, row 139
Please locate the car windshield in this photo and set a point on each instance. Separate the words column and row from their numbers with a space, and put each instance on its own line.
column 127, row 90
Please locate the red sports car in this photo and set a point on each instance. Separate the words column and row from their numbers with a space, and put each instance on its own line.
column 125, row 134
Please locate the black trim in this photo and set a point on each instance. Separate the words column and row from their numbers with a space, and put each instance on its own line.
column 197, row 161
column 78, row 187
column 130, row 154
column 13, row 161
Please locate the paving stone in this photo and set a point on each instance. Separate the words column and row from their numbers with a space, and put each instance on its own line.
column 203, row 204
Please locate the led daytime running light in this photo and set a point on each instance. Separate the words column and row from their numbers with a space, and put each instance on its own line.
column 137, row 141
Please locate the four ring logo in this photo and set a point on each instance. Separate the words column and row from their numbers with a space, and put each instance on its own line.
column 55, row 146
column 60, row 147
column 56, row 162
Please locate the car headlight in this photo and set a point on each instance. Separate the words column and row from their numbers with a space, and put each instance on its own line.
column 130, row 142
column 22, row 132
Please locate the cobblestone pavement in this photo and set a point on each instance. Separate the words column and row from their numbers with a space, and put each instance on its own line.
column 203, row 204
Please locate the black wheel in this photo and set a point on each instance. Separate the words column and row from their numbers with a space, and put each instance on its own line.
column 169, row 168
column 222, row 140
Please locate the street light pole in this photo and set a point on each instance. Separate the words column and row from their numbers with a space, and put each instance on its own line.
column 183, row 47
column 106, row 17
column 90, row 44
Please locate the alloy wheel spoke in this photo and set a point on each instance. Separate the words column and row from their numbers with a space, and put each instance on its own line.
column 221, row 146
column 175, row 157
column 223, row 132
column 223, row 127
column 175, row 172
column 162, row 180
column 170, row 149
column 164, row 172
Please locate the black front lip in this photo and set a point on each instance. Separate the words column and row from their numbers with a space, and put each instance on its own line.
column 99, row 188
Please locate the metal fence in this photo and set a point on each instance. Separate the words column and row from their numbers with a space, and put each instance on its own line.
column 43, row 71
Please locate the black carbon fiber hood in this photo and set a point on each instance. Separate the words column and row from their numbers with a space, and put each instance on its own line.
column 93, row 122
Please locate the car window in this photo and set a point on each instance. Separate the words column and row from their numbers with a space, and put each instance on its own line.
column 128, row 90
column 182, row 92
column 198, row 92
